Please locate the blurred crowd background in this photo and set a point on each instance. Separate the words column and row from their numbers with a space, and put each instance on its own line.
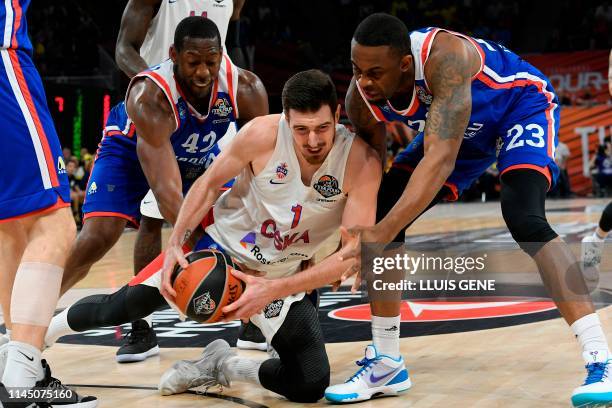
column 74, row 45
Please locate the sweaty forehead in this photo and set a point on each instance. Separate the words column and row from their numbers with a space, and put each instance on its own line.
column 203, row 46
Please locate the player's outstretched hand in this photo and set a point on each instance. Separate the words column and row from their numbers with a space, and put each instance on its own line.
column 255, row 298
column 172, row 256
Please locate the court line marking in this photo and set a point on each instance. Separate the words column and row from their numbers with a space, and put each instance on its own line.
column 237, row 400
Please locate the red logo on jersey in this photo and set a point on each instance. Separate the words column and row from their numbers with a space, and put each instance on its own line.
column 439, row 311
column 268, row 230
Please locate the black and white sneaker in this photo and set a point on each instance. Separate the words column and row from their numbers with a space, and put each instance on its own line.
column 140, row 343
column 49, row 393
column 251, row 338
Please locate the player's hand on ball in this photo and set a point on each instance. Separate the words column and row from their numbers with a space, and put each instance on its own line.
column 254, row 299
column 172, row 256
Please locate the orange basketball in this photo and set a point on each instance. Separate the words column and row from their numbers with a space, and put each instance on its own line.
column 206, row 286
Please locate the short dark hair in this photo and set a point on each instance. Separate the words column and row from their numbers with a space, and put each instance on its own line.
column 383, row 29
column 307, row 91
column 195, row 27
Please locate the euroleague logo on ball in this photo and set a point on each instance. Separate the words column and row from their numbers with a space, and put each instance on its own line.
column 204, row 305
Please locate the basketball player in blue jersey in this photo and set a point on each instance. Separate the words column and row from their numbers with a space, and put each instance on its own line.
column 463, row 96
column 36, row 224
column 145, row 35
column 173, row 123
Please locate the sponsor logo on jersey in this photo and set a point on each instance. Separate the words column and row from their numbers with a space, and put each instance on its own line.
column 273, row 309
column 281, row 242
column 423, row 95
column 182, row 111
column 61, row 166
column 219, row 3
column 222, row 107
column 92, row 188
column 472, row 130
column 248, row 239
column 327, row 186
column 203, row 304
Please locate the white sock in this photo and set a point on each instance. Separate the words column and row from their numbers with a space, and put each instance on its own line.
column 386, row 334
column 23, row 367
column 58, row 327
column 242, row 369
column 8, row 333
column 149, row 320
column 589, row 333
column 598, row 237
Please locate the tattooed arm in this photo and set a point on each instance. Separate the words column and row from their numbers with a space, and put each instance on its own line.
column 448, row 73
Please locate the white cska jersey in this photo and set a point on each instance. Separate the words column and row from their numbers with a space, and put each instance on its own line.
column 160, row 36
column 272, row 222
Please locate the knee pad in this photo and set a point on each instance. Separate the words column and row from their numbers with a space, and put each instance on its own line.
column 522, row 202
column 605, row 222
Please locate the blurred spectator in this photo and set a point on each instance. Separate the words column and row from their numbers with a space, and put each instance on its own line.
column 67, row 154
column 563, row 188
column 77, row 195
column 601, row 164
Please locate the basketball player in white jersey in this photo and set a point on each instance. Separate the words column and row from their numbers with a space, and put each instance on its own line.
column 145, row 36
column 300, row 177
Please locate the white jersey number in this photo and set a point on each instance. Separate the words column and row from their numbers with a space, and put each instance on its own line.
column 534, row 139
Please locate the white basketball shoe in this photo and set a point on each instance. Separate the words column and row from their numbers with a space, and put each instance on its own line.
column 597, row 387
column 379, row 375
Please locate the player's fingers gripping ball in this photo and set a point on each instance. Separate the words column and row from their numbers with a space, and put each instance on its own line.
column 206, row 286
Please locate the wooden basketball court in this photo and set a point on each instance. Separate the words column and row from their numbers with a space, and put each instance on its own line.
column 535, row 364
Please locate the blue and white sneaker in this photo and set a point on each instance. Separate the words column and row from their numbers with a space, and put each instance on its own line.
column 379, row 375
column 597, row 388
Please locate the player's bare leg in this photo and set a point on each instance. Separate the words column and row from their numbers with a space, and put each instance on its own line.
column 141, row 341
column 97, row 237
column 41, row 243
column 11, row 248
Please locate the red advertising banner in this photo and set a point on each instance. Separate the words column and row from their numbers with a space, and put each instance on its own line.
column 580, row 77
column 583, row 129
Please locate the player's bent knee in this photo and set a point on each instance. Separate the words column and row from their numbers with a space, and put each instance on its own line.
column 307, row 392
column 522, row 202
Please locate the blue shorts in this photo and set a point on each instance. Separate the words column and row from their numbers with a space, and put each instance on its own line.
column 116, row 187
column 526, row 139
column 32, row 171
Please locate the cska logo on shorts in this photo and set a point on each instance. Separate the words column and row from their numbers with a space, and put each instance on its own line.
column 222, row 108
column 327, row 186
column 204, row 305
